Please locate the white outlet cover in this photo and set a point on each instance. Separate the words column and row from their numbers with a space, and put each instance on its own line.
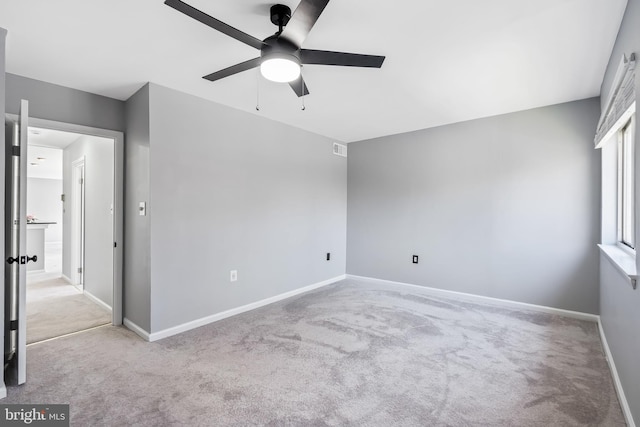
column 233, row 276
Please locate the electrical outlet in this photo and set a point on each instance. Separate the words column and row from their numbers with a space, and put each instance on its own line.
column 415, row 259
column 233, row 276
column 328, row 256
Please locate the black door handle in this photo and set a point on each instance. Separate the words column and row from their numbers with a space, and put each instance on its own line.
column 23, row 259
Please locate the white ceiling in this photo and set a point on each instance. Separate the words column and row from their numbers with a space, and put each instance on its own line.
column 44, row 162
column 447, row 61
column 44, row 152
column 51, row 138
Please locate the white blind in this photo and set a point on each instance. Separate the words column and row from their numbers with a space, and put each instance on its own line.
column 621, row 100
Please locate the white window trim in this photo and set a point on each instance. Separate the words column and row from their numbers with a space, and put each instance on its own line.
column 620, row 190
column 623, row 261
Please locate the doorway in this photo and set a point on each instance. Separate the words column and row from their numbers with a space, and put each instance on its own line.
column 17, row 148
column 72, row 287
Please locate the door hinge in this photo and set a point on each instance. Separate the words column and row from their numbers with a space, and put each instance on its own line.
column 115, row 245
column 81, row 181
column 15, row 150
column 13, row 325
column 80, row 270
column 62, row 197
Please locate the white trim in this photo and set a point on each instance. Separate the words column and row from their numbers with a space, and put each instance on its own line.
column 624, row 118
column 622, row 260
column 68, row 335
column 135, row 328
column 626, row 410
column 3, row 390
column 66, row 279
column 621, row 93
column 97, row 300
column 238, row 310
column 488, row 300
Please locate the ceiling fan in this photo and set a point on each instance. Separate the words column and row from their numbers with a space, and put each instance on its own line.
column 281, row 54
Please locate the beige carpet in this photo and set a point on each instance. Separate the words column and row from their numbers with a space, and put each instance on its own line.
column 56, row 308
column 350, row 354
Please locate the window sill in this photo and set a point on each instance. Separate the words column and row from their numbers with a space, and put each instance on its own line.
column 622, row 260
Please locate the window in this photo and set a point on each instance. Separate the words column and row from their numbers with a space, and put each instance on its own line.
column 626, row 174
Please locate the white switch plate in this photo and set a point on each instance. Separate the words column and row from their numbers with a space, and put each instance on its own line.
column 234, row 275
column 143, row 209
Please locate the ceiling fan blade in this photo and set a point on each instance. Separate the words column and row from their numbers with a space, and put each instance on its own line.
column 234, row 69
column 299, row 87
column 212, row 22
column 325, row 57
column 302, row 20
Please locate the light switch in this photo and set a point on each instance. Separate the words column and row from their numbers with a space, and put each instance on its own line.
column 143, row 209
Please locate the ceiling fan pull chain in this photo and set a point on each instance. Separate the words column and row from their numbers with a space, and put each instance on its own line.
column 302, row 90
column 258, row 90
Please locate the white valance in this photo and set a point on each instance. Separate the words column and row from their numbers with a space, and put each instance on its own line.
column 621, row 103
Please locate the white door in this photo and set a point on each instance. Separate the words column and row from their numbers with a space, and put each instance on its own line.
column 15, row 249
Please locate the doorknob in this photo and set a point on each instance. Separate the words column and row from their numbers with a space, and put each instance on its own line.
column 22, row 259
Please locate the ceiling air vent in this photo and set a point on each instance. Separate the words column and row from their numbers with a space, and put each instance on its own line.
column 339, row 149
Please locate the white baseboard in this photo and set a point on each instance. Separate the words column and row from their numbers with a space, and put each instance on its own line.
column 238, row 310
column 487, row 300
column 135, row 328
column 626, row 410
column 97, row 300
column 66, row 279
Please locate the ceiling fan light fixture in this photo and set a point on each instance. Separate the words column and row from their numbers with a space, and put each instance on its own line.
column 281, row 69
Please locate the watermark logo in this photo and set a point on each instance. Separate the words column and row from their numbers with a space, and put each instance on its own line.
column 34, row 415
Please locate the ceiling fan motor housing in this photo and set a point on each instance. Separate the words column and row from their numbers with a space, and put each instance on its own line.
column 275, row 47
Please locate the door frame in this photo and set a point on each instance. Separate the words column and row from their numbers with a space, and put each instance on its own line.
column 77, row 221
column 118, row 198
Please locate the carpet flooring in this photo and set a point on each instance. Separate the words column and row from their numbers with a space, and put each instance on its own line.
column 56, row 308
column 353, row 353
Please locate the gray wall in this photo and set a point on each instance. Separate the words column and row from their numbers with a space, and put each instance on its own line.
column 620, row 317
column 59, row 103
column 619, row 304
column 230, row 190
column 137, row 239
column 98, row 153
column 504, row 207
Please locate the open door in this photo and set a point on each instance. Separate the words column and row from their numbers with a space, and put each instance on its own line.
column 15, row 357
